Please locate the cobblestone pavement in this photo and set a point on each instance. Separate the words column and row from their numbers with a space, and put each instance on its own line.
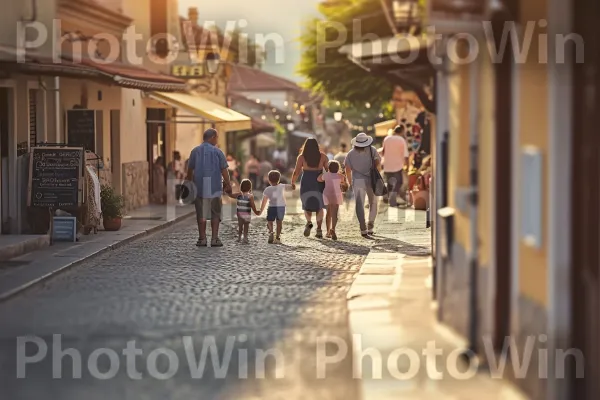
column 162, row 292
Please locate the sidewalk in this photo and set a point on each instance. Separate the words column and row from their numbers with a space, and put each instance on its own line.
column 20, row 273
column 391, row 312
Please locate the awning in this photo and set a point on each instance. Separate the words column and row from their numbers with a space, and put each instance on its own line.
column 265, row 140
column 382, row 128
column 224, row 118
column 397, row 45
column 116, row 73
column 303, row 135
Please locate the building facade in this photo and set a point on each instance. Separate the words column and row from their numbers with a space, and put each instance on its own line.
column 82, row 68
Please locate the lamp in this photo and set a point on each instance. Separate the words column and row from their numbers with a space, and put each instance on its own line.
column 212, row 63
column 337, row 116
column 291, row 126
column 406, row 14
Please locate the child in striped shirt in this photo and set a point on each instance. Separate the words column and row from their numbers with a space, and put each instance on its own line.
column 244, row 207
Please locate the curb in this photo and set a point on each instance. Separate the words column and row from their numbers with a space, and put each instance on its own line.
column 16, row 250
column 26, row 286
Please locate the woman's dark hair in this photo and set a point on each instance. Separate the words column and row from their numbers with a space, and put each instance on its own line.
column 311, row 152
column 246, row 185
column 160, row 161
column 334, row 166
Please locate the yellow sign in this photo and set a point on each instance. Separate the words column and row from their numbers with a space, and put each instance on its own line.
column 188, row 71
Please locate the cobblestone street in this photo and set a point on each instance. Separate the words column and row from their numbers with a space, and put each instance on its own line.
column 162, row 292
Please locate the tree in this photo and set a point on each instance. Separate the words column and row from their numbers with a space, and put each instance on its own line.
column 244, row 51
column 335, row 75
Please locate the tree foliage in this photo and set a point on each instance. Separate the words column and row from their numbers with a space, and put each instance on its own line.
column 244, row 51
column 331, row 73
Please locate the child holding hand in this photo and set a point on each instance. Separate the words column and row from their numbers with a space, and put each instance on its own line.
column 335, row 181
column 274, row 196
column 244, row 205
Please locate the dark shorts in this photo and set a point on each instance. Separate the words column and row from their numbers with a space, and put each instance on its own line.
column 208, row 208
column 275, row 213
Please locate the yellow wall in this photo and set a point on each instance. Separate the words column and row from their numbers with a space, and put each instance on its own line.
column 533, row 131
column 71, row 92
column 132, row 124
column 486, row 161
column 458, row 176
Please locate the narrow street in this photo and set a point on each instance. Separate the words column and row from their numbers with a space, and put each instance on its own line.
column 165, row 294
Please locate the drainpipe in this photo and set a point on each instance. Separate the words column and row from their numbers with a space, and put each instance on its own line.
column 57, row 113
column 473, row 209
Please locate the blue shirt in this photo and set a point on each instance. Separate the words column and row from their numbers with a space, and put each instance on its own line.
column 208, row 161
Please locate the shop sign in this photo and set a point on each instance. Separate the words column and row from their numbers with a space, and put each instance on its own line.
column 188, row 71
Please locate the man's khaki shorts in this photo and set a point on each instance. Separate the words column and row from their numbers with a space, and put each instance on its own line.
column 208, row 209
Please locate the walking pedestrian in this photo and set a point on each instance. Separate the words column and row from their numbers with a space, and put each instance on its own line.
column 245, row 205
column 159, row 181
column 332, row 195
column 311, row 162
column 340, row 157
column 395, row 157
column 274, row 196
column 176, row 172
column 264, row 167
column 360, row 161
column 207, row 168
column 252, row 168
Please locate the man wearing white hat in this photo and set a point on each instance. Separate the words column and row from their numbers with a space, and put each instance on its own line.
column 359, row 162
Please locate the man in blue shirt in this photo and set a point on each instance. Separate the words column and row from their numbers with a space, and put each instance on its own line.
column 207, row 167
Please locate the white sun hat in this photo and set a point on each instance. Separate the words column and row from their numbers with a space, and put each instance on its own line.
column 362, row 140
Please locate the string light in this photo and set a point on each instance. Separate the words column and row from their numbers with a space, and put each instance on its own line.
column 337, row 103
column 380, row 115
column 277, row 117
column 368, row 105
column 257, row 101
column 289, row 117
column 285, row 103
column 264, row 117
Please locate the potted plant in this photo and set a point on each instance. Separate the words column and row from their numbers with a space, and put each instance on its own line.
column 112, row 208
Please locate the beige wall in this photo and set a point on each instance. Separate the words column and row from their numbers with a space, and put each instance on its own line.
column 486, row 161
column 132, row 125
column 13, row 11
column 533, row 131
column 459, row 148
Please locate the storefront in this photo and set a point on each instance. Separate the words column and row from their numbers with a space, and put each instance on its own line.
column 195, row 114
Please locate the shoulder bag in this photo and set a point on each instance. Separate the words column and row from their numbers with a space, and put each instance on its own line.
column 379, row 187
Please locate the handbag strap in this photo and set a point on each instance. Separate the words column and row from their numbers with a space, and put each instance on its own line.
column 372, row 158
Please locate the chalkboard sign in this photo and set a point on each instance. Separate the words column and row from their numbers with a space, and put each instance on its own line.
column 64, row 229
column 81, row 129
column 55, row 176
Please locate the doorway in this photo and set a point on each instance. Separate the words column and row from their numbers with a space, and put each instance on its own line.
column 503, row 182
column 5, row 126
column 156, row 127
column 115, row 147
column 585, row 197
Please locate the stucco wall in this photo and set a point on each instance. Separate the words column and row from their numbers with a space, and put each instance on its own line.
column 133, row 126
column 533, row 131
column 99, row 97
column 13, row 11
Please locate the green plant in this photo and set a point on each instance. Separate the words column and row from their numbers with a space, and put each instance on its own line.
column 113, row 204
